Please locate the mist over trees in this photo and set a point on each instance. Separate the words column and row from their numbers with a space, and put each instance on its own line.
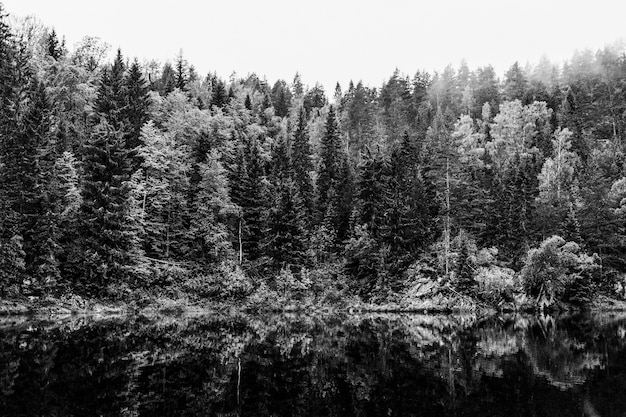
column 119, row 175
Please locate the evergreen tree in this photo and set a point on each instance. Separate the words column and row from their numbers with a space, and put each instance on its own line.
column 410, row 205
column 53, row 46
column 285, row 236
column 249, row 194
column 41, row 233
column 303, row 164
column 464, row 280
column 219, row 95
column 101, row 254
column 111, row 101
column 281, row 98
column 345, row 195
column 167, row 83
column 181, row 73
column 370, row 192
column 136, row 109
column 515, row 84
column 330, row 164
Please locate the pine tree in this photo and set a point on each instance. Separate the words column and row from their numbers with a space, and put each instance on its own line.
column 285, row 236
column 219, row 95
column 9, row 105
column 111, row 101
column 515, row 84
column 281, row 98
column 370, row 192
column 101, row 254
column 249, row 193
column 303, row 165
column 42, row 233
column 410, row 205
column 53, row 47
column 167, row 83
column 330, row 164
column 136, row 109
column 345, row 195
column 181, row 73
column 464, row 280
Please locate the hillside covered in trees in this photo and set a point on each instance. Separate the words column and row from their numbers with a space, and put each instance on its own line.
column 123, row 178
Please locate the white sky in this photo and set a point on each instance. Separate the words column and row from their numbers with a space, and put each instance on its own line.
column 336, row 40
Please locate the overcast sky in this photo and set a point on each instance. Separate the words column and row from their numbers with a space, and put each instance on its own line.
column 336, row 40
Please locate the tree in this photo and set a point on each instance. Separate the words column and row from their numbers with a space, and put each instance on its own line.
column 213, row 210
column 219, row 95
column 556, row 180
column 165, row 185
column 136, row 109
column 286, row 221
column 558, row 271
column 249, row 193
column 281, row 98
column 515, row 84
column 330, row 164
column 181, row 72
column 53, row 47
column 410, row 205
column 314, row 98
column 464, row 280
column 111, row 100
column 303, row 164
column 101, row 254
column 516, row 130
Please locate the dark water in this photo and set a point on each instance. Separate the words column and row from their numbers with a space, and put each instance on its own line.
column 300, row 366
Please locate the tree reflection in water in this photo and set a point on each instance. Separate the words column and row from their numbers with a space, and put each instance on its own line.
column 339, row 365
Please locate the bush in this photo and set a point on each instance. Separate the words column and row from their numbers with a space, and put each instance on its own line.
column 496, row 284
column 556, row 271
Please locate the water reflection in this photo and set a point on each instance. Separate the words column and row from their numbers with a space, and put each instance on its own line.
column 374, row 365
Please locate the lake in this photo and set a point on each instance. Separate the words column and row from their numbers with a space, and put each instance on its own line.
column 327, row 365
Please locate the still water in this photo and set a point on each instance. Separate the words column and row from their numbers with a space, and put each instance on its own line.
column 347, row 365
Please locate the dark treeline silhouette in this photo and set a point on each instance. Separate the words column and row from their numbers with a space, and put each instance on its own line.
column 120, row 176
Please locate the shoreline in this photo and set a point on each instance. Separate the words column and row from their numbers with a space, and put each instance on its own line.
column 53, row 307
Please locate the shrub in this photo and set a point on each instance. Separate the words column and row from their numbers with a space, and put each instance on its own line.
column 496, row 284
column 556, row 271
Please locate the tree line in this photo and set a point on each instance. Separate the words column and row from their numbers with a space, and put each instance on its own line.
column 116, row 176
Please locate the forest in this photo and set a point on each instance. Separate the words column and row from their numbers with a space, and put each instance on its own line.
column 121, row 180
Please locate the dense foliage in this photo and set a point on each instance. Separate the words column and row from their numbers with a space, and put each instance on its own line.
column 117, row 177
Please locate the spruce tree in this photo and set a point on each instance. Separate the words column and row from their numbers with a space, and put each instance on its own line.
column 111, row 102
column 285, row 235
column 53, row 47
column 167, row 83
column 464, row 280
column 181, row 73
column 219, row 95
column 330, row 164
column 42, row 234
column 410, row 204
column 249, row 193
column 101, row 254
column 136, row 109
column 370, row 192
column 303, row 164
